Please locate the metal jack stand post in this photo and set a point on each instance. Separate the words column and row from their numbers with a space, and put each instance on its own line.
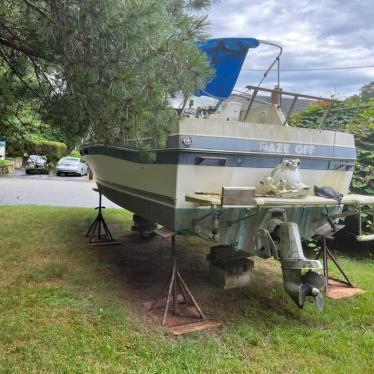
column 325, row 251
column 335, row 288
column 181, row 313
column 99, row 233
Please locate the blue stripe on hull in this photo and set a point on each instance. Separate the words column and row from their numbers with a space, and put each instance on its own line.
column 190, row 157
column 200, row 142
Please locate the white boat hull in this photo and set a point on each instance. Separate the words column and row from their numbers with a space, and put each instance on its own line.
column 204, row 155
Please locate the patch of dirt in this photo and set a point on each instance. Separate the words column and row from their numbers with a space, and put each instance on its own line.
column 338, row 290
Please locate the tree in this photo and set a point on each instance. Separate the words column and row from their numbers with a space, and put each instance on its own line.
column 105, row 69
column 358, row 119
column 367, row 91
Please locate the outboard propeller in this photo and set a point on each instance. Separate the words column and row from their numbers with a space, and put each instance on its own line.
column 300, row 286
column 297, row 284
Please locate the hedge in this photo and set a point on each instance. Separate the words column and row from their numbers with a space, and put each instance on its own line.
column 6, row 167
column 52, row 150
column 6, row 162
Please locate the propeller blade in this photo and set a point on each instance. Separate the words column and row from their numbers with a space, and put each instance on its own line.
column 304, row 291
column 320, row 302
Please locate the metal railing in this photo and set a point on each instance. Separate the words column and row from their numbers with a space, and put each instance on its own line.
column 296, row 96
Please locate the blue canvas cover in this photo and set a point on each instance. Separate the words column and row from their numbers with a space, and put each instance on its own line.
column 226, row 55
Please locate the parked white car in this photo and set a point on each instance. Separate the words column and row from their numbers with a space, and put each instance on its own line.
column 71, row 165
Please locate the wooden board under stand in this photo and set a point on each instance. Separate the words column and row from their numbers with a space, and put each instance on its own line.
column 192, row 327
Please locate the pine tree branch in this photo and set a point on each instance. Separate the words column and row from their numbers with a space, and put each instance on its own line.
column 21, row 48
column 33, row 6
column 13, row 68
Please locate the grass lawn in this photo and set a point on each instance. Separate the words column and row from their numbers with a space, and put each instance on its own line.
column 68, row 308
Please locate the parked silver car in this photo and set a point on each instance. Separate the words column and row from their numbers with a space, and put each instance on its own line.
column 71, row 165
column 36, row 164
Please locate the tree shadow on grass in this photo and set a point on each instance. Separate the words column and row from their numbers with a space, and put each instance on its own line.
column 143, row 267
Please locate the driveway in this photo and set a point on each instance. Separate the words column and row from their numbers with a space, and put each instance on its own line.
column 49, row 190
column 52, row 175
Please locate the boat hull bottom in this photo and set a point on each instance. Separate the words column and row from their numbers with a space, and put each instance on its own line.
column 173, row 218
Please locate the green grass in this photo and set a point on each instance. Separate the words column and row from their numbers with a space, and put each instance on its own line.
column 66, row 308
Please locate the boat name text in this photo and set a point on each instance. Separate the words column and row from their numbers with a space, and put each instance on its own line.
column 299, row 149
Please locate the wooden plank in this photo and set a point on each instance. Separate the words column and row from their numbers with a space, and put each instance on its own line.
column 194, row 326
column 313, row 200
column 215, row 199
column 99, row 243
column 203, row 199
column 365, row 238
column 359, row 199
column 308, row 200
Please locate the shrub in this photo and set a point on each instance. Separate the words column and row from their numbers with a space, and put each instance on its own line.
column 6, row 167
column 363, row 177
column 75, row 153
column 6, row 162
column 51, row 149
column 15, row 150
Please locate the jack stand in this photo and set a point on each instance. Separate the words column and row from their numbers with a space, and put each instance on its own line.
column 180, row 310
column 99, row 233
column 335, row 288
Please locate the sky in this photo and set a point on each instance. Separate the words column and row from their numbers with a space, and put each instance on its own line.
column 313, row 34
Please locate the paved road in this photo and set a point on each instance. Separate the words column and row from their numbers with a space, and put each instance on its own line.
column 52, row 175
column 49, row 190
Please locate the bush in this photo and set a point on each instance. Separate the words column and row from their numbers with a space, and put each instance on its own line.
column 15, row 150
column 6, row 162
column 51, row 149
column 6, row 167
column 361, row 124
column 75, row 153
column 363, row 177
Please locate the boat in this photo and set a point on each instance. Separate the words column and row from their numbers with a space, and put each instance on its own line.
column 209, row 178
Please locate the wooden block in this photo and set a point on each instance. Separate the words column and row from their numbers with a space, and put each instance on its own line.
column 225, row 252
column 243, row 196
column 164, row 232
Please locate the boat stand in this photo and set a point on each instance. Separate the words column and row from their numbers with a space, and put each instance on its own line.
column 179, row 310
column 99, row 233
column 335, row 288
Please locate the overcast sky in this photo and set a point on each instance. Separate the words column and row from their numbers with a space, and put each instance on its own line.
column 313, row 34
